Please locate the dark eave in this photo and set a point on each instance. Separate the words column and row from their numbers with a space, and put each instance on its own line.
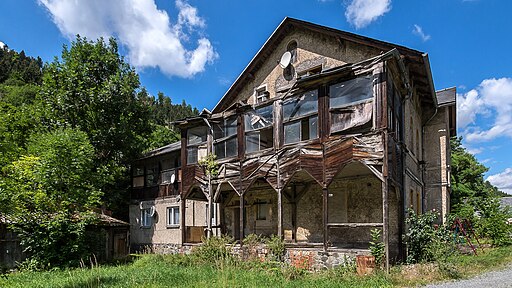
column 176, row 146
column 446, row 97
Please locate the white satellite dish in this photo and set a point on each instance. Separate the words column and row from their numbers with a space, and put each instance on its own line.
column 173, row 178
column 152, row 211
column 178, row 198
column 285, row 59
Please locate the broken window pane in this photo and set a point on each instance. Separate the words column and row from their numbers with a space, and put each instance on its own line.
column 259, row 118
column 313, row 127
column 350, row 92
column 300, row 106
column 196, row 135
column 292, row 132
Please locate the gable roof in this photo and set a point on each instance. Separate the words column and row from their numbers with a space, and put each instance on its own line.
column 418, row 61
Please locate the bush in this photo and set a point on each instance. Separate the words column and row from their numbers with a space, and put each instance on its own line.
column 215, row 250
column 377, row 247
column 276, row 247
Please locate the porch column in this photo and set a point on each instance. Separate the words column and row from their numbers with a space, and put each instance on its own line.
column 385, row 213
column 279, row 213
column 183, row 228
column 325, row 195
column 242, row 226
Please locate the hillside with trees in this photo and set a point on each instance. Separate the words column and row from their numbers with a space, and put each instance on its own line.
column 68, row 132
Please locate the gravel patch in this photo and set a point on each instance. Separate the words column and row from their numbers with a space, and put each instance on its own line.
column 494, row 279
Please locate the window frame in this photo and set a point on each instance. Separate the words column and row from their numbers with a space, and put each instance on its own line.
column 342, row 106
column 226, row 137
column 156, row 175
column 301, row 119
column 257, row 131
column 195, row 146
column 146, row 220
column 171, row 221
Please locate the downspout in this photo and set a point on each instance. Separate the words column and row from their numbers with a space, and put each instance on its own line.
column 431, row 83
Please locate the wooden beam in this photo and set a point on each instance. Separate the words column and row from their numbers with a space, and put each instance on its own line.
column 242, row 226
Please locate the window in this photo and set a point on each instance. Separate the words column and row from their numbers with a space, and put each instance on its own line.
column 173, row 216
column 152, row 175
column 259, row 129
column 146, row 220
column 167, row 176
column 261, row 210
column 262, row 95
column 196, row 144
column 224, row 134
column 418, row 203
column 350, row 92
column 292, row 48
column 138, row 177
column 355, row 92
column 300, row 117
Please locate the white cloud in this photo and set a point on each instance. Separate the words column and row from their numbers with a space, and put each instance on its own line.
column 2, row 45
column 502, row 180
column 360, row 13
column 419, row 31
column 150, row 36
column 491, row 99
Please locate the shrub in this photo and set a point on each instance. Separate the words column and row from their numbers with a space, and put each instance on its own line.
column 276, row 247
column 377, row 247
column 215, row 250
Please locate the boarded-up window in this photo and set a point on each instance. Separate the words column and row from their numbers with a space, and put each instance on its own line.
column 259, row 129
column 300, row 117
column 196, row 144
column 350, row 103
column 224, row 135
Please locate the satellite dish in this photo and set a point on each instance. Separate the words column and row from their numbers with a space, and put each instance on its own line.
column 173, row 178
column 285, row 59
column 152, row 211
column 178, row 198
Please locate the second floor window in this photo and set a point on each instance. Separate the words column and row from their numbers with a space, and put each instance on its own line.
column 300, row 117
column 196, row 144
column 259, row 134
column 152, row 175
column 224, row 137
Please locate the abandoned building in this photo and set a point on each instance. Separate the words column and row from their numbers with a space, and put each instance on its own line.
column 324, row 136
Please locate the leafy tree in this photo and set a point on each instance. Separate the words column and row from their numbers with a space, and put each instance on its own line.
column 475, row 199
column 50, row 192
column 94, row 90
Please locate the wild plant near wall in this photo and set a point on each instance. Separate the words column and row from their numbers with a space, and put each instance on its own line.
column 377, row 246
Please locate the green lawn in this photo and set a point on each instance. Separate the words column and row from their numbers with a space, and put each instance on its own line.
column 186, row 271
column 179, row 271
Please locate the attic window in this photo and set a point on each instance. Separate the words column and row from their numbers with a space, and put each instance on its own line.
column 292, row 48
column 262, row 94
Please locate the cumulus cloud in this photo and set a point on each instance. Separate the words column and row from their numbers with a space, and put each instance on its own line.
column 491, row 99
column 502, row 180
column 361, row 13
column 151, row 37
column 419, row 32
column 2, row 45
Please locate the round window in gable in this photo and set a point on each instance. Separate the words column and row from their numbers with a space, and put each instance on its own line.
column 292, row 48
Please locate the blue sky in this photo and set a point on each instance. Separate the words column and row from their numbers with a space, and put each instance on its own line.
column 195, row 49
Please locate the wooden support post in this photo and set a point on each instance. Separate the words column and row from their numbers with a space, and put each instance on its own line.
column 183, row 227
column 242, row 226
column 385, row 213
column 325, row 194
column 279, row 213
column 294, row 214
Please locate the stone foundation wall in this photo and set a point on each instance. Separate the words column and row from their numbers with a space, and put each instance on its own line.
column 313, row 259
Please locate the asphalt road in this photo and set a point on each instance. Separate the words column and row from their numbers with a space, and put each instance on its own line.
column 494, row 279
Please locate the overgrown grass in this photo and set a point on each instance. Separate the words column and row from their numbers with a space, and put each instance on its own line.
column 188, row 271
